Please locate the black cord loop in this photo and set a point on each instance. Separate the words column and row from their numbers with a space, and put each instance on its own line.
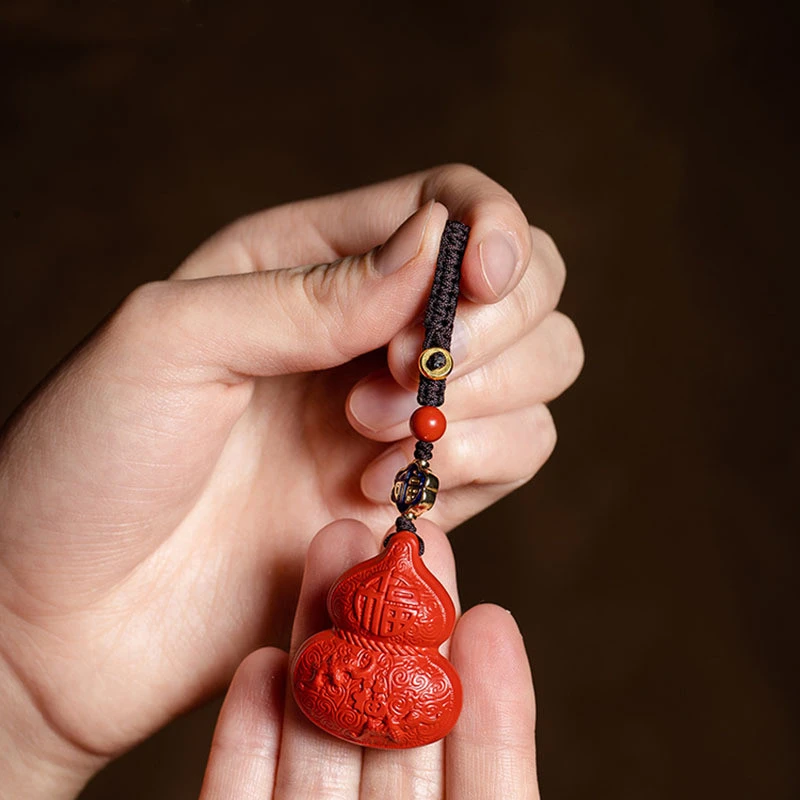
column 412, row 529
column 439, row 317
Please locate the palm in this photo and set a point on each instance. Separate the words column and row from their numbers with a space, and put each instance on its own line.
column 221, row 580
column 237, row 491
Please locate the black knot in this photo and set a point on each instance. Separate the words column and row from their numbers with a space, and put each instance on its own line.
column 423, row 451
column 406, row 524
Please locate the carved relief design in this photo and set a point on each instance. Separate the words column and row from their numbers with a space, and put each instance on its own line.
column 377, row 678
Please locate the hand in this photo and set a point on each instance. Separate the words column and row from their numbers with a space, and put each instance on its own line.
column 158, row 492
column 264, row 747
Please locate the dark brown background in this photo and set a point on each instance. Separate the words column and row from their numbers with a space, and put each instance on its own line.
column 651, row 562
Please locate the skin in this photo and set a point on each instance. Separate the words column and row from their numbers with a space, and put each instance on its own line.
column 158, row 492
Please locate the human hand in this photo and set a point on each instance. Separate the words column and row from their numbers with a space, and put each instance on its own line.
column 158, row 492
column 265, row 748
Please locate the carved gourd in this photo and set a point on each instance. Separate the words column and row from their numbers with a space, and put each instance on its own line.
column 377, row 678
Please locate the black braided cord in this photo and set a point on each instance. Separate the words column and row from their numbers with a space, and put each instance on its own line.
column 441, row 310
column 440, row 314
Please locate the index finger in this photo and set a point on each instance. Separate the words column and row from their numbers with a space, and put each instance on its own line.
column 325, row 228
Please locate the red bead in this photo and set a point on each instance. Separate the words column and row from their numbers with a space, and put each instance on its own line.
column 428, row 423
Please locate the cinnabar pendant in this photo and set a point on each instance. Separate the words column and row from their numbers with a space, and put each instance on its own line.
column 377, row 678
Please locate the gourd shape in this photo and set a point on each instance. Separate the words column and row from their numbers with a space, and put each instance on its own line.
column 377, row 678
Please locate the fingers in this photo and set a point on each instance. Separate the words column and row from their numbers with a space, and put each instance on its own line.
column 326, row 228
column 489, row 754
column 482, row 332
column 244, row 752
column 336, row 548
column 302, row 318
column 491, row 751
column 287, row 320
column 502, row 449
column 418, row 772
column 313, row 763
column 534, row 370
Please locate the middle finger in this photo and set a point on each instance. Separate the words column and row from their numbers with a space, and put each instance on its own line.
column 535, row 369
column 314, row 764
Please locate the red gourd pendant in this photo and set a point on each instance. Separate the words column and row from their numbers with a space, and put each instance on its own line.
column 377, row 678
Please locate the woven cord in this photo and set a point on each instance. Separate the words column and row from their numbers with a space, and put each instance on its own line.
column 441, row 310
column 440, row 314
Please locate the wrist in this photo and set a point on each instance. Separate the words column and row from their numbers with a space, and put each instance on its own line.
column 36, row 761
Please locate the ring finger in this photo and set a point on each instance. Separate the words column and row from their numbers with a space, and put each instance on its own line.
column 485, row 453
column 491, row 752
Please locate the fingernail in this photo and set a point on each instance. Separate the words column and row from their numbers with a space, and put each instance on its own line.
column 380, row 474
column 499, row 256
column 379, row 403
column 405, row 242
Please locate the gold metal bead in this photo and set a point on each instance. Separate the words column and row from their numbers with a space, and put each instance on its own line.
column 414, row 490
column 435, row 373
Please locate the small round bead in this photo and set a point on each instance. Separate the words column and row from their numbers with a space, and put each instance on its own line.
column 435, row 363
column 428, row 423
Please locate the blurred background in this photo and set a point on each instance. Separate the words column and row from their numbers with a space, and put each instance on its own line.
column 651, row 564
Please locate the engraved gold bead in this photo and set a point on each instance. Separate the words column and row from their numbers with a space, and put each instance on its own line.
column 435, row 363
column 414, row 491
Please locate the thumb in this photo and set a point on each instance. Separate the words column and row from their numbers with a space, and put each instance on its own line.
column 290, row 320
